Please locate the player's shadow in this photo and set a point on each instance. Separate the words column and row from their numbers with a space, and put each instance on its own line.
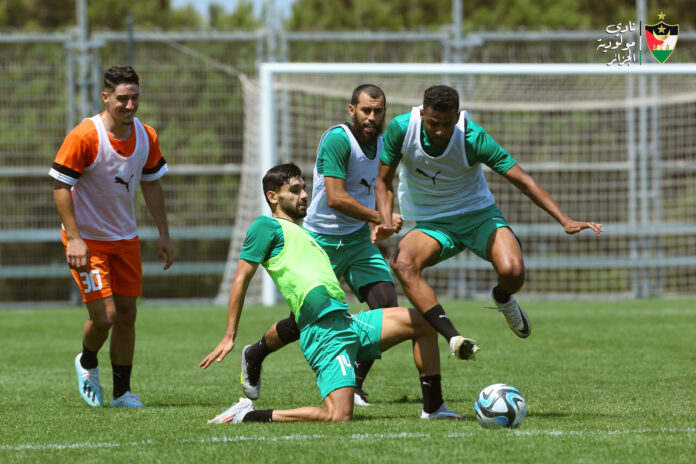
column 403, row 400
column 415, row 400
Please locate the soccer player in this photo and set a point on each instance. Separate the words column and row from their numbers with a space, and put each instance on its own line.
column 342, row 206
column 443, row 189
column 97, row 171
column 331, row 338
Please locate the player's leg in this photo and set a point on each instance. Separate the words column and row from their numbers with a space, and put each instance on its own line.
column 330, row 346
column 96, row 331
column 277, row 336
column 95, row 289
column 504, row 252
column 418, row 250
column 338, row 407
column 401, row 324
column 122, row 350
column 126, row 280
column 377, row 295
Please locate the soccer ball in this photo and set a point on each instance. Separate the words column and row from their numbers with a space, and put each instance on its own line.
column 499, row 406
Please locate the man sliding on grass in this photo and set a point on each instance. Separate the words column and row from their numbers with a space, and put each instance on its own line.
column 331, row 338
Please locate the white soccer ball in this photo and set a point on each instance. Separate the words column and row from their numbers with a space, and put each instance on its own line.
column 499, row 406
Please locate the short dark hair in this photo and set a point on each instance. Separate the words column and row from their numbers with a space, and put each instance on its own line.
column 116, row 75
column 278, row 176
column 371, row 90
column 441, row 98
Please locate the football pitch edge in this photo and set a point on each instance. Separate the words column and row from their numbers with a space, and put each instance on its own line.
column 321, row 437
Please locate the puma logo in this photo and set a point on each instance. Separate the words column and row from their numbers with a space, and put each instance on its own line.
column 368, row 185
column 420, row 171
column 118, row 180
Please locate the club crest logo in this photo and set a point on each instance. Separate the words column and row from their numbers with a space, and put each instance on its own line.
column 661, row 38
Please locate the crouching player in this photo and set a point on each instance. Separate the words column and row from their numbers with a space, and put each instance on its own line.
column 331, row 338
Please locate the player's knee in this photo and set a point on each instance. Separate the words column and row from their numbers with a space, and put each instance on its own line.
column 287, row 330
column 379, row 295
column 102, row 322
column 403, row 266
column 512, row 270
column 124, row 320
column 341, row 418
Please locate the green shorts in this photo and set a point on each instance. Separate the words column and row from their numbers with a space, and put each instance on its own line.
column 332, row 344
column 467, row 230
column 355, row 259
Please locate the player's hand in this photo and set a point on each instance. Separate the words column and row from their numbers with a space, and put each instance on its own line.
column 219, row 353
column 397, row 221
column 165, row 251
column 573, row 227
column 382, row 232
column 77, row 254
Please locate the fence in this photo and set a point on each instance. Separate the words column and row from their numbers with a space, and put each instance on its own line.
column 192, row 93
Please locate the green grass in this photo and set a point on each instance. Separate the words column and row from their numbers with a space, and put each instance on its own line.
column 603, row 381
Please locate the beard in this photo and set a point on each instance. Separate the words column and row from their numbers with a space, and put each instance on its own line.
column 361, row 136
column 295, row 210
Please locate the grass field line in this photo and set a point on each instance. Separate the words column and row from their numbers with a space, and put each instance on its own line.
column 356, row 436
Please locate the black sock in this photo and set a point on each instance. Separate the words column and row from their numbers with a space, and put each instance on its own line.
column 432, row 393
column 262, row 415
column 500, row 295
column 258, row 352
column 361, row 370
column 122, row 375
column 437, row 318
column 88, row 360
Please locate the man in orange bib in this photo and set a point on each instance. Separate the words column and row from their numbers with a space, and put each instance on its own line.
column 97, row 172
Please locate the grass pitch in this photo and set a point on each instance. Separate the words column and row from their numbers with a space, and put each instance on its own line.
column 603, row 381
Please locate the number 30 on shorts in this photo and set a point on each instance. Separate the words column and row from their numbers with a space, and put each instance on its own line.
column 91, row 280
column 344, row 363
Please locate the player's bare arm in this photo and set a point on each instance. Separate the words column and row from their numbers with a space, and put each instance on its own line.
column 76, row 253
column 242, row 277
column 343, row 202
column 384, row 193
column 154, row 199
column 527, row 185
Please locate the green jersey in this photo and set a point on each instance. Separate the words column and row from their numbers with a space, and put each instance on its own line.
column 334, row 153
column 480, row 147
column 299, row 267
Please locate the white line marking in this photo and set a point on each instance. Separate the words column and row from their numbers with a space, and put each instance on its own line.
column 357, row 436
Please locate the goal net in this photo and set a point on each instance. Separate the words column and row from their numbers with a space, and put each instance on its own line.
column 614, row 145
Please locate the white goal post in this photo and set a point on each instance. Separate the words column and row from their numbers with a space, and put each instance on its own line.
column 626, row 132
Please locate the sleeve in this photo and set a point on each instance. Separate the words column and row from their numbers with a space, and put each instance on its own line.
column 263, row 240
column 482, row 148
column 394, row 140
column 78, row 151
column 334, row 154
column 155, row 166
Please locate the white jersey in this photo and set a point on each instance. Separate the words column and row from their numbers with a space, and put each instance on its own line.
column 433, row 187
column 105, row 194
column 360, row 184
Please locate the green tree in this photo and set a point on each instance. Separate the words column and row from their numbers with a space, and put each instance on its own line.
column 480, row 15
column 369, row 15
column 242, row 18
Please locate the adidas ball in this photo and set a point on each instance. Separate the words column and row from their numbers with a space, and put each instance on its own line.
column 499, row 406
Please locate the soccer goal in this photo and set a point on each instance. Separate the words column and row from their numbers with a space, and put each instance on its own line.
column 614, row 145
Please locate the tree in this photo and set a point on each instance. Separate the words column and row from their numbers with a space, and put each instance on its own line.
column 242, row 18
column 369, row 15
